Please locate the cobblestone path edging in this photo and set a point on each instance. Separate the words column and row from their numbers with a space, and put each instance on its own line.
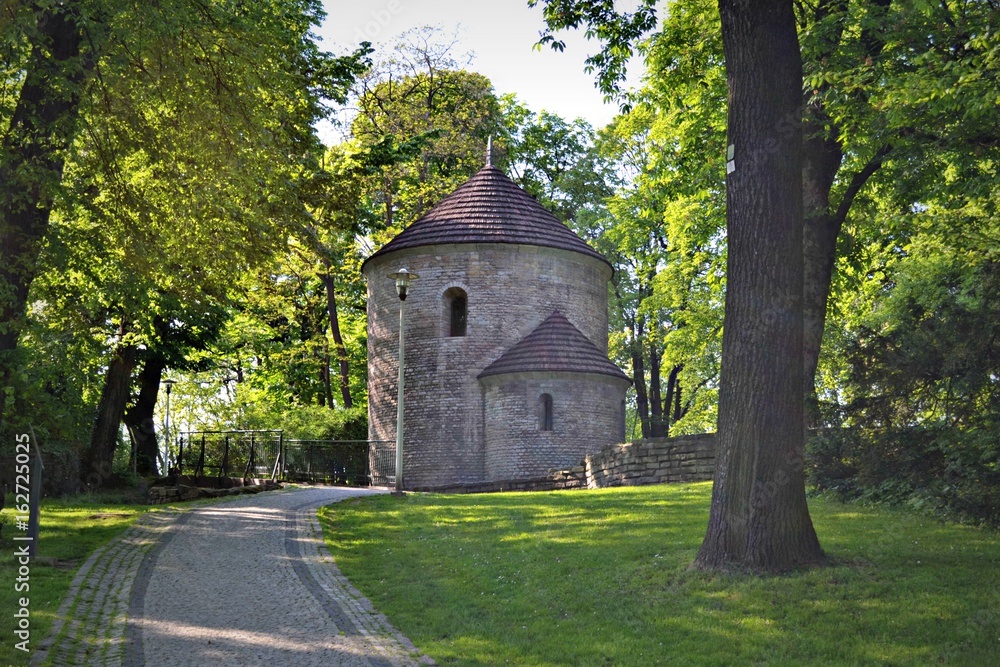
column 382, row 642
column 243, row 582
column 97, row 602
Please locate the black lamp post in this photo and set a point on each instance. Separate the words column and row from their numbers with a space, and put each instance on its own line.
column 166, row 450
column 402, row 278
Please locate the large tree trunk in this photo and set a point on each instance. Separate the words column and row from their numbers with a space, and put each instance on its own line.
column 673, row 400
column 657, row 422
column 338, row 340
column 32, row 155
column 639, row 382
column 820, row 161
column 140, row 417
column 114, row 396
column 759, row 519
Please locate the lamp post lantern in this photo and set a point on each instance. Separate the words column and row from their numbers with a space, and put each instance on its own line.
column 402, row 278
column 166, row 449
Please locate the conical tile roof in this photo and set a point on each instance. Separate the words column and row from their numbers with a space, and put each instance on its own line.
column 489, row 208
column 554, row 345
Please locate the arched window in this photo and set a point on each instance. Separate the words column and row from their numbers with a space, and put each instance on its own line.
column 456, row 307
column 545, row 412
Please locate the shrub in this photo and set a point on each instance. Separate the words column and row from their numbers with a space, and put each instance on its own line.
column 937, row 469
column 315, row 422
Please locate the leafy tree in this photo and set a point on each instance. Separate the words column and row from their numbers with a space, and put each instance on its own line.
column 191, row 326
column 612, row 188
column 908, row 372
column 759, row 519
column 919, row 386
column 608, row 187
column 45, row 69
column 867, row 101
column 670, row 144
column 555, row 160
column 302, row 314
column 881, row 110
column 195, row 138
column 928, row 351
column 331, row 240
column 430, row 119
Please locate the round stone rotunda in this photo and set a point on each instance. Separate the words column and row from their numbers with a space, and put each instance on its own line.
column 506, row 341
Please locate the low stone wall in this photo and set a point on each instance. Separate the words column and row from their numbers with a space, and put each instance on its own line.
column 573, row 478
column 687, row 458
column 170, row 494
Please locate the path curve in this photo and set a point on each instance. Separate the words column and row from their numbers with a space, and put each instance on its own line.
column 245, row 582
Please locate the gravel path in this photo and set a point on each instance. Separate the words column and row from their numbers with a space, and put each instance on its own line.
column 245, row 582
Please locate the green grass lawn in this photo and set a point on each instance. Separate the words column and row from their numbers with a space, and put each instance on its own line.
column 601, row 578
column 69, row 531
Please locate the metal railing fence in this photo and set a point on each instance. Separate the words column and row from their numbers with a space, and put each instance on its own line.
column 328, row 461
column 269, row 454
column 229, row 453
column 382, row 462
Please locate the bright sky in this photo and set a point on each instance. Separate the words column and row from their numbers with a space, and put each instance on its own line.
column 499, row 33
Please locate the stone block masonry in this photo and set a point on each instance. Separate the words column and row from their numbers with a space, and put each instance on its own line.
column 581, row 414
column 510, row 290
column 504, row 289
column 686, row 458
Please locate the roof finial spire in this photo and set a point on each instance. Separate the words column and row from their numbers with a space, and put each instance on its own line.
column 489, row 151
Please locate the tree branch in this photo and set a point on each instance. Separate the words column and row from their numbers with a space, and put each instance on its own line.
column 858, row 182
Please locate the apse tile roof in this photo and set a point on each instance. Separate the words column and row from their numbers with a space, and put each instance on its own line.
column 489, row 208
column 554, row 345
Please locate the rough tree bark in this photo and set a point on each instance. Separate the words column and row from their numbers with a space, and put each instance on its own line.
column 639, row 378
column 338, row 339
column 140, row 417
column 32, row 155
column 657, row 420
column 110, row 409
column 759, row 519
column 821, row 160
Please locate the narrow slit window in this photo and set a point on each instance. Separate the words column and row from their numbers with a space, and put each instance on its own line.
column 545, row 410
column 459, row 315
column 456, row 312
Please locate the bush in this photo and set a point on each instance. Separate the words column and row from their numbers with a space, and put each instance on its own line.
column 920, row 390
column 315, row 422
column 936, row 469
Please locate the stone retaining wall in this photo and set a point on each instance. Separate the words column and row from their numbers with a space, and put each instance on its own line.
column 687, row 458
column 170, row 494
column 574, row 478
